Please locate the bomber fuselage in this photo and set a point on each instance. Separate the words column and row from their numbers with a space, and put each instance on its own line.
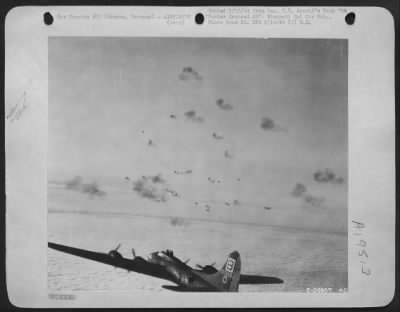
column 181, row 273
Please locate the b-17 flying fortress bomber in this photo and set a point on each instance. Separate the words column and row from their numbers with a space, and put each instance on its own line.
column 164, row 265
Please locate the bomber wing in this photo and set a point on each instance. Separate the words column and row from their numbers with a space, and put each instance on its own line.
column 138, row 264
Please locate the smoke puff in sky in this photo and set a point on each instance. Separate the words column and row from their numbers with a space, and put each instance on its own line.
column 191, row 115
column 176, row 221
column 157, row 179
column 313, row 200
column 188, row 73
column 299, row 190
column 269, row 124
column 76, row 184
column 224, row 106
column 227, row 154
column 327, row 176
column 217, row 136
column 236, row 202
column 172, row 192
column 151, row 187
column 183, row 172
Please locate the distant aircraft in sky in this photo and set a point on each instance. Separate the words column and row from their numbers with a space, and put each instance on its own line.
column 217, row 136
column 165, row 265
column 227, row 154
column 188, row 73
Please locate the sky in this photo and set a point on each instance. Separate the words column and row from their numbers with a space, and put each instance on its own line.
column 278, row 107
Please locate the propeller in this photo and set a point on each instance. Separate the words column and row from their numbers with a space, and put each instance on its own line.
column 118, row 246
column 187, row 260
column 114, row 252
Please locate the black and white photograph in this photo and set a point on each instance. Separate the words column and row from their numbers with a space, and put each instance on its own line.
column 200, row 157
column 197, row 164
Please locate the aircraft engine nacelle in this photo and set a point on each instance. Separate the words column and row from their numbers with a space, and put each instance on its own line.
column 115, row 255
column 186, row 279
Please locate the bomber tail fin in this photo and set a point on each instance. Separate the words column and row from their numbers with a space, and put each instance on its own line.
column 228, row 277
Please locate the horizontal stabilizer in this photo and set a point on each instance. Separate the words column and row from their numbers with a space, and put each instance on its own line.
column 185, row 289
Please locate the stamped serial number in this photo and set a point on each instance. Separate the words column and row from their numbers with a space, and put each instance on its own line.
column 62, row 297
column 325, row 290
column 319, row 290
